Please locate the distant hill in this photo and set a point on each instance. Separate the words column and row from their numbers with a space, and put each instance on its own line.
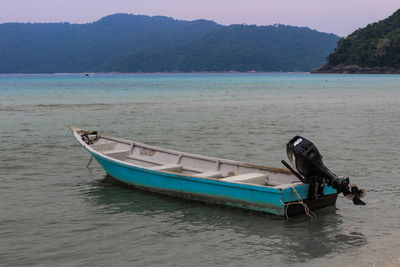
column 133, row 43
column 373, row 49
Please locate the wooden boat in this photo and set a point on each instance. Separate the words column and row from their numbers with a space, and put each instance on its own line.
column 208, row 179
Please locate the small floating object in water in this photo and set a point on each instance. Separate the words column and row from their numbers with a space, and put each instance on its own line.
column 214, row 180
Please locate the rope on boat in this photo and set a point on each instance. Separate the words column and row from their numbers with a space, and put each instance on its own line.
column 307, row 210
column 87, row 166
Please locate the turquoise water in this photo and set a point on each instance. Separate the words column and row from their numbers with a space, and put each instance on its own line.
column 55, row 211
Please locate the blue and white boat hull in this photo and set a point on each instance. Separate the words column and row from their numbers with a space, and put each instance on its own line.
column 270, row 199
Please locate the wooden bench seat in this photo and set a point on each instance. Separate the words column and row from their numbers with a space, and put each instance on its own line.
column 117, row 154
column 167, row 167
column 248, row 178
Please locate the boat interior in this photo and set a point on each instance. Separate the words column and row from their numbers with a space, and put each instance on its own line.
column 166, row 160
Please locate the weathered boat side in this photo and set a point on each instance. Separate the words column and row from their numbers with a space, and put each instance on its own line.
column 208, row 190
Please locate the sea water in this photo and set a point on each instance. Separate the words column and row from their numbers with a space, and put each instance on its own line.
column 55, row 211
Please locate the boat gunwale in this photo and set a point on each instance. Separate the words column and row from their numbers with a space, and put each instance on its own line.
column 190, row 155
column 271, row 189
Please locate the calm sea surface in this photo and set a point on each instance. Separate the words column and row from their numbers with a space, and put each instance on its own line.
column 55, row 211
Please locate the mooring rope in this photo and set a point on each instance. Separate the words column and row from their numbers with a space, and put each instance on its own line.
column 87, row 166
column 307, row 210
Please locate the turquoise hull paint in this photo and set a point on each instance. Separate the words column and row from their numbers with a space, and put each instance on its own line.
column 289, row 195
column 264, row 199
column 244, row 196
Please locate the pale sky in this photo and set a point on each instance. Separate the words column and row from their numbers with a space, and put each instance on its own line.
column 341, row 17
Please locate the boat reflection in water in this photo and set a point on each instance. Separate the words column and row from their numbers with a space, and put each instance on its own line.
column 147, row 215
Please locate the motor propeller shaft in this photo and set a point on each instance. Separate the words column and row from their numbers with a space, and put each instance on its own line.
column 351, row 192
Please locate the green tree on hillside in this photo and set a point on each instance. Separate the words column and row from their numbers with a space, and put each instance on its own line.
column 377, row 44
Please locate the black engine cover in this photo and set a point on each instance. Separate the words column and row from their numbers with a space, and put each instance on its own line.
column 305, row 157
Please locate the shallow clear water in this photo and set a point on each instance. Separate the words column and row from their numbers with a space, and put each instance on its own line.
column 55, row 211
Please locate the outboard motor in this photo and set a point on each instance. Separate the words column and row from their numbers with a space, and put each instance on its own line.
column 311, row 170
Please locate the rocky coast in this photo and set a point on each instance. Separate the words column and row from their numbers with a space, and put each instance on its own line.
column 355, row 69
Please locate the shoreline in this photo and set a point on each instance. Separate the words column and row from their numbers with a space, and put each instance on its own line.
column 172, row 72
column 353, row 69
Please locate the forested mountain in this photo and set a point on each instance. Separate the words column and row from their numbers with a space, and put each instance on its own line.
column 373, row 49
column 133, row 43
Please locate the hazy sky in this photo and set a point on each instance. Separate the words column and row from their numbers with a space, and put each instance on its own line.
column 338, row 16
